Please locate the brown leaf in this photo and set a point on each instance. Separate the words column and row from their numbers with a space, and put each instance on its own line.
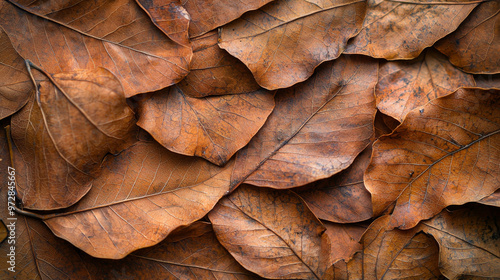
column 384, row 124
column 15, row 85
column 492, row 200
column 406, row 85
column 283, row 42
column 487, row 81
column 475, row 45
column 63, row 136
column 118, row 35
column 343, row 197
column 209, row 14
column 468, row 242
column 442, row 154
column 398, row 254
column 215, row 72
column 344, row 239
column 411, row 26
column 139, row 198
column 316, row 129
column 272, row 233
column 213, row 127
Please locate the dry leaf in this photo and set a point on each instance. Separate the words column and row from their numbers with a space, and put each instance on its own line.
column 442, row 154
column 283, row 42
column 272, row 233
column 344, row 239
column 487, row 81
column 492, row 200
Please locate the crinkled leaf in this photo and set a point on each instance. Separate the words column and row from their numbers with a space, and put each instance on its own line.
column 272, row 233
column 213, row 127
column 63, row 136
column 283, row 42
column 442, row 154
column 316, row 129
column 64, row 36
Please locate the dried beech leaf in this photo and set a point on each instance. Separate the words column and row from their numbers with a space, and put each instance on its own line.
column 406, row 85
column 468, row 242
column 215, row 72
column 64, row 135
column 15, row 85
column 213, row 127
column 342, row 198
column 475, row 46
column 344, row 239
column 384, row 124
column 487, row 81
column 398, row 254
column 411, row 27
column 207, row 15
column 442, row 154
column 272, row 233
column 117, row 35
column 283, row 42
column 316, row 129
column 492, row 200
column 139, row 198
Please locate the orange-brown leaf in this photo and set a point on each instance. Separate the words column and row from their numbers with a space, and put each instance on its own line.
column 492, row 200
column 345, row 240
column 445, row 153
column 283, row 42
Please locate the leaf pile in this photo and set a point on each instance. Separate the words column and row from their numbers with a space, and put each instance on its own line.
column 285, row 139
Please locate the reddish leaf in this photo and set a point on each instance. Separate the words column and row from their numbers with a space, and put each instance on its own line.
column 442, row 154
column 63, row 136
column 209, row 14
column 468, row 242
column 215, row 72
column 403, row 29
column 343, row 197
column 118, row 35
column 475, row 45
column 214, row 127
column 272, row 233
column 317, row 128
column 139, row 198
column 283, row 42
column 406, row 85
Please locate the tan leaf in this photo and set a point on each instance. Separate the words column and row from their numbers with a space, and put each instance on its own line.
column 474, row 47
column 117, row 35
column 213, row 127
column 139, row 198
column 406, row 85
column 283, row 42
column 442, row 154
column 403, row 29
column 316, row 129
column 63, row 136
column 272, row 233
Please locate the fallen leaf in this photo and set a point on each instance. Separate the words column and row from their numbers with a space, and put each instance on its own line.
column 411, row 26
column 215, row 72
column 140, row 196
column 209, row 14
column 344, row 239
column 468, row 242
column 283, row 42
column 487, row 81
column 15, row 85
column 492, row 200
column 214, row 127
column 406, row 85
column 475, row 45
column 117, row 35
column 63, row 135
column 342, row 198
column 316, row 129
column 384, row 124
column 442, row 154
column 272, row 233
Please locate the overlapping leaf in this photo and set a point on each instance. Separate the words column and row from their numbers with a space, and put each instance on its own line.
column 442, row 154
column 406, row 85
column 117, row 35
column 316, row 129
column 474, row 47
column 283, row 42
column 213, row 127
column 344, row 239
column 62, row 137
column 139, row 198
column 487, row 81
column 403, row 29
column 258, row 227
column 492, row 200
